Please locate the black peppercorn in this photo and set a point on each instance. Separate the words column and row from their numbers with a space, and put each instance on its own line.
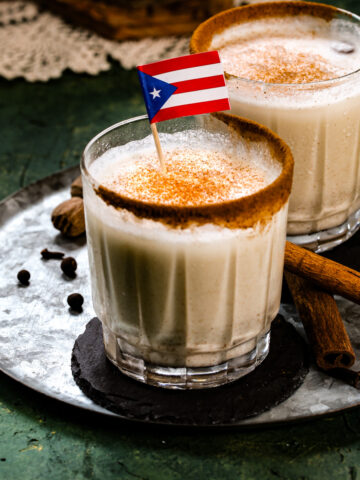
column 75, row 301
column 68, row 266
column 23, row 277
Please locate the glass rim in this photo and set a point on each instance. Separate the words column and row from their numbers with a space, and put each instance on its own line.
column 196, row 48
column 97, row 137
column 243, row 212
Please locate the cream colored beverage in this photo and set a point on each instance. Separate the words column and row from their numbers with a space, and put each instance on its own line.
column 294, row 67
column 182, row 277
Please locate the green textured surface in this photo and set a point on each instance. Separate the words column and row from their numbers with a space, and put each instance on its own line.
column 42, row 439
column 44, row 128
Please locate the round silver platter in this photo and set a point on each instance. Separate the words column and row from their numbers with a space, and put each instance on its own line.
column 37, row 330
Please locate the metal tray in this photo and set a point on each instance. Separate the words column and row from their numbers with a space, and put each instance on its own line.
column 37, row 330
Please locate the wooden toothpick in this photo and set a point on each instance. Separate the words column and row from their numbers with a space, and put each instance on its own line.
column 158, row 146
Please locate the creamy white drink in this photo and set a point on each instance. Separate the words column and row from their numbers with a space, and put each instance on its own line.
column 295, row 68
column 177, row 290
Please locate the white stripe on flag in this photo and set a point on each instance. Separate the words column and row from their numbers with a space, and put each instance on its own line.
column 191, row 73
column 196, row 97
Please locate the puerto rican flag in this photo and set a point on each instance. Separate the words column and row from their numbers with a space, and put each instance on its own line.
column 182, row 86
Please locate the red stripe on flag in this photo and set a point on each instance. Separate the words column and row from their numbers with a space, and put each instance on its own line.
column 199, row 84
column 179, row 63
column 191, row 109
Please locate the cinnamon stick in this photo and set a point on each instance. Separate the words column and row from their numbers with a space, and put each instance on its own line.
column 325, row 273
column 351, row 377
column 323, row 324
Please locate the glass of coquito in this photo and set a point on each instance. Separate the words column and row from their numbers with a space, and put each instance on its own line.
column 295, row 67
column 186, row 264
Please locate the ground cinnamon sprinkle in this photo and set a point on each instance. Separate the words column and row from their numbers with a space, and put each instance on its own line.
column 270, row 61
column 193, row 178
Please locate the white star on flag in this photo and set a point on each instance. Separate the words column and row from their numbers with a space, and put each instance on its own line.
column 155, row 93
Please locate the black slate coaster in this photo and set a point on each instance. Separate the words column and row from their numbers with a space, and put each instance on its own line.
column 276, row 379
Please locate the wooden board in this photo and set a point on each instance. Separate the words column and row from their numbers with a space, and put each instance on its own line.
column 120, row 20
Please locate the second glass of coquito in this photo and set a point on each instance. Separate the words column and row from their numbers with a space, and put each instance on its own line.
column 295, row 67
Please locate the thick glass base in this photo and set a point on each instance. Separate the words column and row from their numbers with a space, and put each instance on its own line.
column 187, row 377
column 327, row 239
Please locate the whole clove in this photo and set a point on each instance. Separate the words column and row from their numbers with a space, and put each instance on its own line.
column 75, row 301
column 23, row 276
column 69, row 266
column 47, row 255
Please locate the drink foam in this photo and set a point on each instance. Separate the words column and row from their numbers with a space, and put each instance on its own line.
column 289, row 50
column 219, row 171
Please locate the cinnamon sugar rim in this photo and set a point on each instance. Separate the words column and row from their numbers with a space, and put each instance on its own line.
column 243, row 212
column 204, row 33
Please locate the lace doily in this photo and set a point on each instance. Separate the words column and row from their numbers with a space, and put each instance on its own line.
column 38, row 45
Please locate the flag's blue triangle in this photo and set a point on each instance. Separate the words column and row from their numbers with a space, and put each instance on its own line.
column 156, row 93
